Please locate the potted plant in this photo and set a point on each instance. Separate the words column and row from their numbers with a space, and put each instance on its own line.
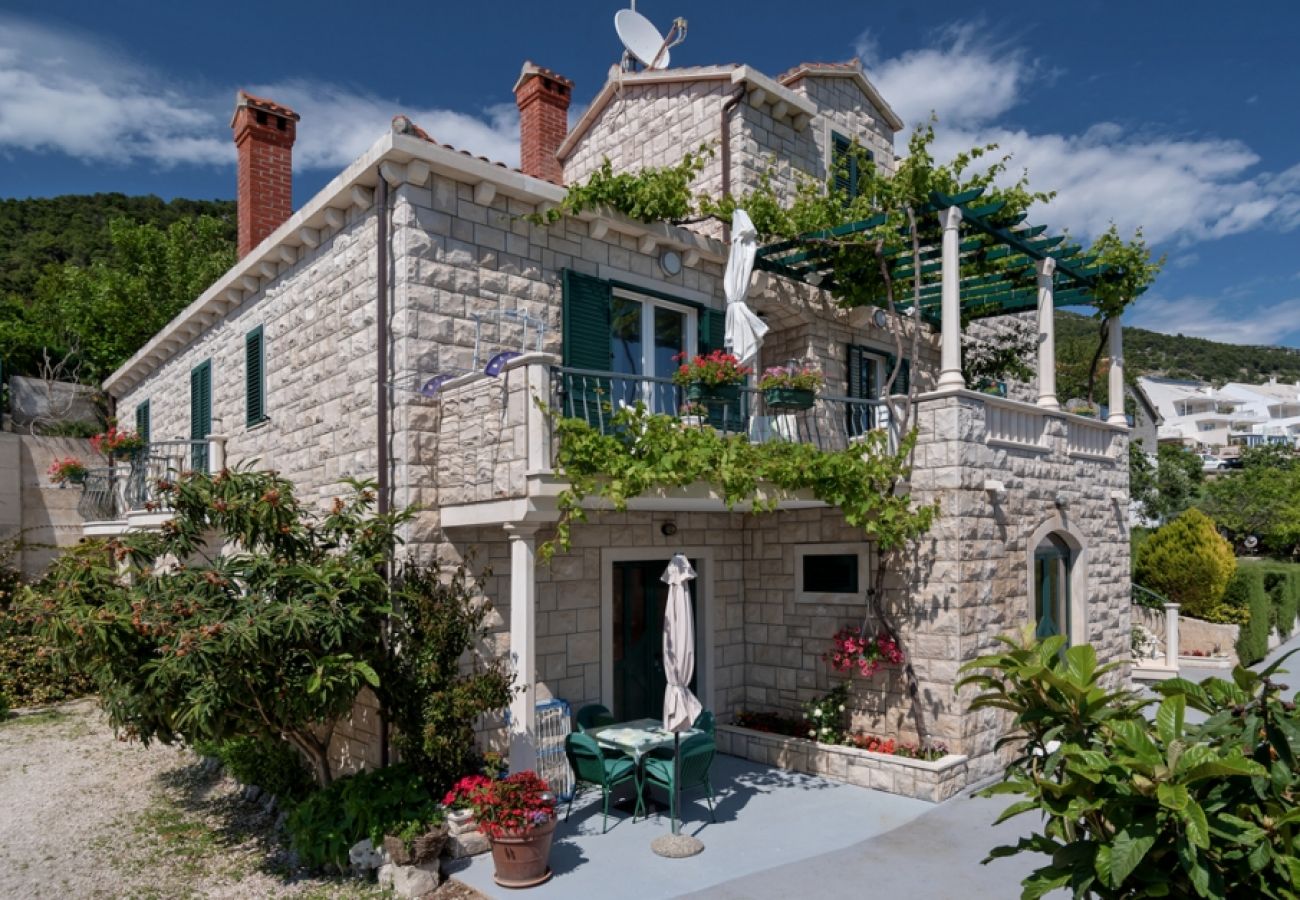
column 68, row 470
column 517, row 814
column 459, row 802
column 117, row 443
column 694, row 415
column 417, row 841
column 854, row 651
column 712, row 379
column 790, row 387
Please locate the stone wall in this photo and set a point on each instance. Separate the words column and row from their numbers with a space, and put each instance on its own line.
column 45, row 514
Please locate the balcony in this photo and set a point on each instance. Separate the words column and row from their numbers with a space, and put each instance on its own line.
column 124, row 494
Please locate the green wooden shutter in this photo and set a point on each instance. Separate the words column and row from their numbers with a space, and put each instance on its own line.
column 200, row 412
column 142, row 420
column 713, row 330
column 903, row 383
column 843, row 164
column 254, row 377
column 587, row 327
column 861, row 386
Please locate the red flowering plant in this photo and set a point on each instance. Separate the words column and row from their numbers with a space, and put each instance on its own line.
column 854, row 651
column 714, row 370
column 117, row 442
column 513, row 805
column 67, row 470
column 465, row 792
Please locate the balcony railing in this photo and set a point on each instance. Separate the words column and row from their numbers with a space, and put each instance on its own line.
column 110, row 492
column 832, row 423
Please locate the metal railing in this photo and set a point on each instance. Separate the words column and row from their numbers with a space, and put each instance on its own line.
column 831, row 423
column 110, row 492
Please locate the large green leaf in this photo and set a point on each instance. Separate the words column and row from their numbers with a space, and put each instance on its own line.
column 1169, row 718
column 1125, row 853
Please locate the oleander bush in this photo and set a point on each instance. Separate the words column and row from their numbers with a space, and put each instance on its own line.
column 1132, row 807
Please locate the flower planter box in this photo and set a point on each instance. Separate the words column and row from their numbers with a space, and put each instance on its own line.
column 713, row 395
column 918, row 778
column 789, row 399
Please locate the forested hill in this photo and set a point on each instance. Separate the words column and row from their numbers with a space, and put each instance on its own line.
column 39, row 231
column 1153, row 353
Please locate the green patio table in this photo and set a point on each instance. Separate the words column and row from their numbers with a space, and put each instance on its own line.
column 637, row 737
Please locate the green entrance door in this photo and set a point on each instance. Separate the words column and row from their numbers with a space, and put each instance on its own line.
column 638, row 626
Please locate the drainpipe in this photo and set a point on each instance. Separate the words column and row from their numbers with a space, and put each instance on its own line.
column 725, row 140
column 381, row 396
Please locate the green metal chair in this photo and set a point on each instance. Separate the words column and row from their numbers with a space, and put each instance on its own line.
column 697, row 756
column 590, row 766
column 705, row 722
column 593, row 715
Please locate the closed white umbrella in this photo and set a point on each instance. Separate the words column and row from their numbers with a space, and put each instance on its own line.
column 745, row 329
column 680, row 705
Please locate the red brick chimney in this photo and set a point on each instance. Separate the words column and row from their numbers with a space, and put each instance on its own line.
column 264, row 133
column 543, row 100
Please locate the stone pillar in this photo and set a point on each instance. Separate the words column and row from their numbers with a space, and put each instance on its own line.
column 216, row 452
column 950, row 377
column 1171, row 635
column 523, row 644
column 1116, row 416
column 1047, row 335
column 538, row 421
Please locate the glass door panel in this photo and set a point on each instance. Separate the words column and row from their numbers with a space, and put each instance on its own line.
column 627, row 350
column 669, row 343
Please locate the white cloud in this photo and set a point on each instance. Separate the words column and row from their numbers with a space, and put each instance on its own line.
column 1181, row 188
column 1207, row 317
column 63, row 92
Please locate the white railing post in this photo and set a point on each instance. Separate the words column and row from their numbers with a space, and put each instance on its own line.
column 1171, row 635
column 216, row 452
column 1116, row 416
column 523, row 643
column 538, row 420
column 950, row 377
column 1047, row 334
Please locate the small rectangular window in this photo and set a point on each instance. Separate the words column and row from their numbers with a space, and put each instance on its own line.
column 142, row 420
column 832, row 573
column 846, row 161
column 254, row 377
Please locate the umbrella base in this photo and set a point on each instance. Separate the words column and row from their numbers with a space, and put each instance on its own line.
column 676, row 846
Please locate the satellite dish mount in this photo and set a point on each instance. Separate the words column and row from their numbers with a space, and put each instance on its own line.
column 642, row 42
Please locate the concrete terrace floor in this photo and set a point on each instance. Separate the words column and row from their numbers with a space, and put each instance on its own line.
column 782, row 834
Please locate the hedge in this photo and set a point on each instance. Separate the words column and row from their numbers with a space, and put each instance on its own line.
column 1246, row 591
column 1282, row 581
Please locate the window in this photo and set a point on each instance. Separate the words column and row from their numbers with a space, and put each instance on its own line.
column 254, row 377
column 200, row 413
column 142, row 420
column 845, row 163
column 832, row 573
column 646, row 337
column 868, row 370
column 1051, row 599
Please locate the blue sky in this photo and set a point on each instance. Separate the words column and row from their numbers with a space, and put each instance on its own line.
column 1180, row 117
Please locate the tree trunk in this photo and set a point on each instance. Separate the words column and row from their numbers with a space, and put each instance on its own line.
column 317, row 753
column 1096, row 358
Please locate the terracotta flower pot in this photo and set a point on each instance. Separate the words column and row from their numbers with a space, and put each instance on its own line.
column 521, row 858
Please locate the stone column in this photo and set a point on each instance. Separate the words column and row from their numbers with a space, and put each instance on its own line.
column 523, row 643
column 1047, row 334
column 950, row 377
column 1116, row 416
column 1171, row 635
column 216, row 452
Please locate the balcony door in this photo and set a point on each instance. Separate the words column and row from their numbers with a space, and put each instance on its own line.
column 646, row 337
column 637, row 612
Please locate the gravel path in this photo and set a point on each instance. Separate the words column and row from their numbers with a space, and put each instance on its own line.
column 85, row 815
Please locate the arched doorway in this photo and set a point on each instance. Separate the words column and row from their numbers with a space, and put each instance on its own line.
column 1053, row 562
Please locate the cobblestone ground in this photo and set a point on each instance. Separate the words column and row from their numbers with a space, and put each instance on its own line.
column 85, row 815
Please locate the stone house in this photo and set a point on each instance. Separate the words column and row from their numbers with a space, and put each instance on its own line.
column 351, row 340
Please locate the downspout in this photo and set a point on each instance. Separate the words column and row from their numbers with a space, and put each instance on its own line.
column 381, row 397
column 724, row 139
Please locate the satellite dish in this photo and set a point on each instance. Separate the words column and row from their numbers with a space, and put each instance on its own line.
column 1251, row 542
column 644, row 41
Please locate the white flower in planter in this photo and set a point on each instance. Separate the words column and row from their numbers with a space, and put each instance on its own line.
column 841, row 707
column 817, row 711
column 812, row 733
column 824, row 730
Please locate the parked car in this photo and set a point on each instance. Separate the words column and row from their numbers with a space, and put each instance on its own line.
column 1211, row 463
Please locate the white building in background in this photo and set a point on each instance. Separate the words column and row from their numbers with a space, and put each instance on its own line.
column 1202, row 416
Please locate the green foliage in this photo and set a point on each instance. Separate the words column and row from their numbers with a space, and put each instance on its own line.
column 32, row 673
column 1175, row 356
column 1188, row 562
column 323, row 828
column 1136, row 808
column 645, row 451
column 441, row 682
column 95, row 316
column 4, row 706
column 1282, row 581
column 1246, row 591
column 273, row 765
column 650, row 195
column 825, row 718
column 273, row 636
column 1260, row 499
column 1170, row 486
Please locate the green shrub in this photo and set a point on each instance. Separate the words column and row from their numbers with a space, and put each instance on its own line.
column 1246, row 591
column 1188, row 562
column 4, row 706
column 1282, row 581
column 272, row 765
column 32, row 673
column 324, row 827
column 1133, row 806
